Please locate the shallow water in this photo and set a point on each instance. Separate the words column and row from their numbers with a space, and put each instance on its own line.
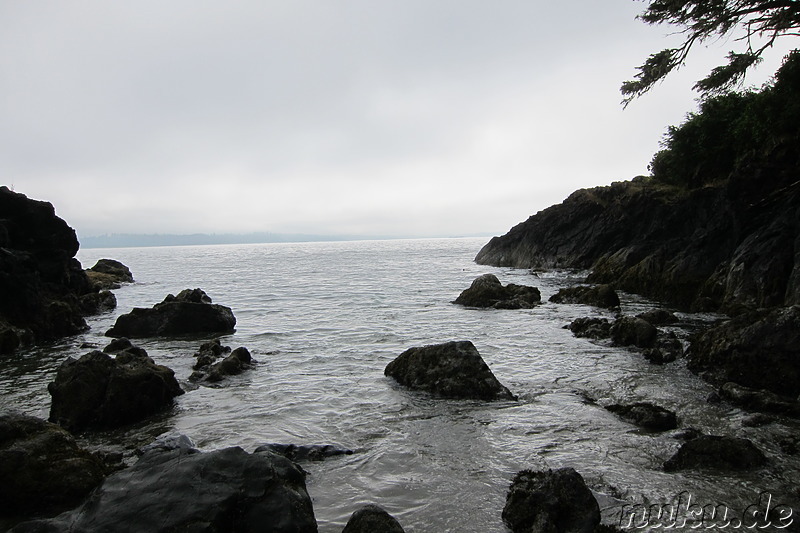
column 324, row 319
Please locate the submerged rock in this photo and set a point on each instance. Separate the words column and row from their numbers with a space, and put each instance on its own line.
column 716, row 453
column 98, row 391
column 758, row 350
column 451, row 370
column 183, row 490
column 372, row 519
column 658, row 317
column 207, row 368
column 189, row 312
column 43, row 470
column 597, row 295
column 304, row 452
column 487, row 291
column 646, row 415
column 553, row 501
column 591, row 327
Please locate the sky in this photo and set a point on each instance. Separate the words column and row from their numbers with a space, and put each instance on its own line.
column 361, row 117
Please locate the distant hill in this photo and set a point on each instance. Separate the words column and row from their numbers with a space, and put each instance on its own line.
column 130, row 240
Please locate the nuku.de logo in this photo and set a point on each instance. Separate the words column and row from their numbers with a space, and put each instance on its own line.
column 683, row 513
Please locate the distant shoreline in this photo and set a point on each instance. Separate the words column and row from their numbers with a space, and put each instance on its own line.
column 136, row 240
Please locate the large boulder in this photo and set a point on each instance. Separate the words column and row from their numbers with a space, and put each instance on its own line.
column 553, row 501
column 451, row 370
column 190, row 312
column 224, row 491
column 591, row 327
column 372, row 519
column 487, row 291
column 108, row 274
column 632, row 331
column 646, row 415
column 760, row 350
column 41, row 282
column 596, row 295
column 43, row 470
column 759, row 400
column 98, row 391
column 716, row 453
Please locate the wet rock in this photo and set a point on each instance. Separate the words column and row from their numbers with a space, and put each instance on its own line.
column 451, row 370
column 183, row 490
column 98, row 391
column 304, row 452
column 98, row 302
column 757, row 420
column 43, row 470
column 191, row 312
column 108, row 274
column 646, row 415
column 209, row 352
column 759, row 400
column 552, row 501
column 667, row 349
column 757, row 350
column 716, row 453
column 487, row 291
column 597, row 295
column 591, row 327
column 372, row 519
column 658, row 317
column 168, row 443
column 632, row 331
column 206, row 369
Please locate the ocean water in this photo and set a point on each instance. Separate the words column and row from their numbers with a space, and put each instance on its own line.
column 324, row 319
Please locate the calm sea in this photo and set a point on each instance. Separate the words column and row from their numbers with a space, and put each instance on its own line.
column 324, row 319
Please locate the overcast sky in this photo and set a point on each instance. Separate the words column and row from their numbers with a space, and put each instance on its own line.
column 370, row 117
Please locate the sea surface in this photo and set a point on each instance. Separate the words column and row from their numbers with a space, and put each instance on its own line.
column 324, row 319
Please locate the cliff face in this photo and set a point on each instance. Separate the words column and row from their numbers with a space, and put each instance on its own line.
column 41, row 282
column 728, row 246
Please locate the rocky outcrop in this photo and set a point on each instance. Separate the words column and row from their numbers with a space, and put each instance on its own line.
column 598, row 296
column 451, row 370
column 759, row 400
column 226, row 490
column 207, row 369
column 304, row 452
column 108, row 274
column 555, row 501
column 728, row 245
column 43, row 470
column 41, row 282
column 372, row 519
column 98, row 391
column 190, row 312
column 760, row 350
column 646, row 415
column 487, row 291
column 713, row 452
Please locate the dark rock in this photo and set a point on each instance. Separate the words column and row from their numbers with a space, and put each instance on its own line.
column 44, row 472
column 451, row 370
column 632, row 331
column 98, row 302
column 372, row 519
column 189, row 312
column 207, row 370
column 208, row 354
column 716, row 453
column 96, row 391
column 555, row 501
column 41, row 282
column 169, row 442
column 758, row 350
column 687, row 434
column 658, row 317
column 729, row 244
column 646, row 415
column 225, row 490
column 591, row 327
column 304, row 452
column 667, row 349
column 759, row 400
column 487, row 291
column 113, row 268
column 598, row 296
column 757, row 420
